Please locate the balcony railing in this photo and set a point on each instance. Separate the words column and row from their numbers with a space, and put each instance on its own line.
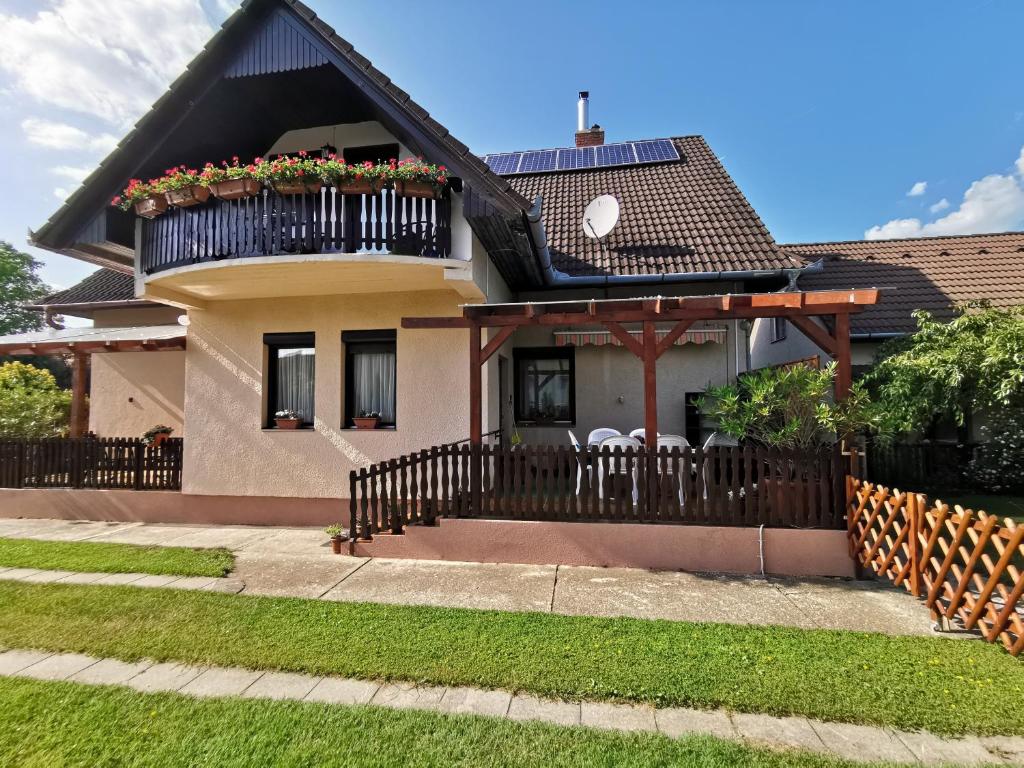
column 271, row 224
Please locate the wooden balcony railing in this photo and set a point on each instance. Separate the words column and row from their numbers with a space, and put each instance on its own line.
column 271, row 224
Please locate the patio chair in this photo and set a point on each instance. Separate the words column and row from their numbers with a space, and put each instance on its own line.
column 670, row 442
column 577, row 448
column 601, row 433
column 616, row 468
column 641, row 434
column 716, row 440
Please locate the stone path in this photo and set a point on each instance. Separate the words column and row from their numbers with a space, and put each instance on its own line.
column 853, row 742
column 297, row 562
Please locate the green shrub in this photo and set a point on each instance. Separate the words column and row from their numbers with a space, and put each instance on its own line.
column 31, row 403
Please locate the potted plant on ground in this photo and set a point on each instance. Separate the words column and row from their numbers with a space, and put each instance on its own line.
column 145, row 197
column 367, row 420
column 287, row 419
column 183, row 187
column 415, row 178
column 292, row 175
column 337, row 536
column 232, row 181
column 155, row 436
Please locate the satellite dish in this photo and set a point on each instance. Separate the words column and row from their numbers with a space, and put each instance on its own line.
column 600, row 217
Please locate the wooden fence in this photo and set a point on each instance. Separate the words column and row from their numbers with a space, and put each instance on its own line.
column 91, row 462
column 910, row 464
column 730, row 486
column 967, row 566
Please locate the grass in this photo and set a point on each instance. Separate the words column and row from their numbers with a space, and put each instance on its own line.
column 104, row 557
column 74, row 725
column 1002, row 506
column 945, row 686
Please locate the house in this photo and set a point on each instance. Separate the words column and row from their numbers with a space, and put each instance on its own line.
column 335, row 304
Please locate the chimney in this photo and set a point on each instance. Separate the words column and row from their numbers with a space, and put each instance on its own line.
column 586, row 137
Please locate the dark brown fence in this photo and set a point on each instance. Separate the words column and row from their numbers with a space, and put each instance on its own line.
column 922, row 464
column 91, row 462
column 730, row 486
column 272, row 224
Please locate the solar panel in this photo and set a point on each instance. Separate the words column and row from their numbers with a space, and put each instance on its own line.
column 575, row 158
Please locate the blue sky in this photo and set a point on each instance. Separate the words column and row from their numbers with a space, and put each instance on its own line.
column 837, row 119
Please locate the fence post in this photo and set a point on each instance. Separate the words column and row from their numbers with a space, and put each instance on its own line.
column 914, row 521
column 352, row 512
column 140, row 463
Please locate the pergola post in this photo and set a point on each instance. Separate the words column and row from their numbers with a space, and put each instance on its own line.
column 844, row 369
column 475, row 388
column 650, row 359
column 79, row 393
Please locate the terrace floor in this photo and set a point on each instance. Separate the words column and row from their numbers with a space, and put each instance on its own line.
column 297, row 562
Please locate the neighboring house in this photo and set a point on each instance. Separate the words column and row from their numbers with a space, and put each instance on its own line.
column 300, row 303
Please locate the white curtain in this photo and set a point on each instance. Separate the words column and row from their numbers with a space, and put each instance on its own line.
column 373, row 379
column 295, row 370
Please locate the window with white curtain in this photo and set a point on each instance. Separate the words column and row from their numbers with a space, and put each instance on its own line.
column 370, row 375
column 291, row 375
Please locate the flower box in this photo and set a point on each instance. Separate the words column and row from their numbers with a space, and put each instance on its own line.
column 287, row 423
column 151, row 207
column 417, row 189
column 235, row 189
column 297, row 187
column 357, row 187
column 183, row 198
column 366, row 422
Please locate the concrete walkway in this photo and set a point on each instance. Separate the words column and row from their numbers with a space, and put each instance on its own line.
column 297, row 562
column 853, row 742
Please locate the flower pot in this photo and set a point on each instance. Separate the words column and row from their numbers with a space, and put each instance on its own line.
column 297, row 187
column 151, row 207
column 364, row 422
column 417, row 189
column 235, row 189
column 193, row 195
column 287, row 423
column 336, row 544
column 357, row 187
column 159, row 438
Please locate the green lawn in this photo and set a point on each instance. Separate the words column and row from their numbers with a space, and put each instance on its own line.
column 943, row 685
column 1003, row 506
column 48, row 724
column 104, row 557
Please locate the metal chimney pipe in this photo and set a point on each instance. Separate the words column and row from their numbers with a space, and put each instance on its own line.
column 583, row 111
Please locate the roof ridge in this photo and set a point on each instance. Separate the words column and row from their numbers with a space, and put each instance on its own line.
column 902, row 239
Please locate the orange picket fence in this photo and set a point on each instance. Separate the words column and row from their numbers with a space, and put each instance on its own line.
column 967, row 566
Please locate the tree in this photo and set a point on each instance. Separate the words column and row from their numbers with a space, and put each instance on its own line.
column 19, row 285
column 951, row 369
column 31, row 403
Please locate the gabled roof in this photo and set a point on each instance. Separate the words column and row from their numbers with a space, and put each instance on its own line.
column 932, row 273
column 679, row 216
column 103, row 285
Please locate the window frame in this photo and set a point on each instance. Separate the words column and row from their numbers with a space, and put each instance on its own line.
column 273, row 343
column 779, row 329
column 522, row 354
column 382, row 340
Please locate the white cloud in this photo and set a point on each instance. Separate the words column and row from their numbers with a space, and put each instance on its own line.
column 942, row 205
column 918, row 189
column 994, row 203
column 73, row 173
column 106, row 59
column 54, row 135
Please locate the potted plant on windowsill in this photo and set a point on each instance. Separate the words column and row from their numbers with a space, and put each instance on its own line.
column 415, row 178
column 287, row 419
column 232, row 181
column 292, row 175
column 183, row 187
column 337, row 534
column 367, row 420
column 145, row 197
column 155, row 436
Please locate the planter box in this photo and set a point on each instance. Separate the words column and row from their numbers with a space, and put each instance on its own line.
column 235, row 189
column 366, row 423
column 151, row 207
column 183, row 198
column 160, row 438
column 297, row 187
column 357, row 187
column 417, row 189
column 287, row 423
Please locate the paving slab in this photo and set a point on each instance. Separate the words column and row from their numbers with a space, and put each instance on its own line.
column 227, row 537
column 83, row 578
column 19, row 574
column 676, row 722
column 166, row 677
column 194, row 582
column 407, row 696
column 60, row 666
column 336, row 690
column 12, row 662
column 149, row 534
column 931, row 750
column 495, row 586
column 617, row 717
column 110, row 672
column 861, row 742
column 225, row 586
column 155, row 581
column 46, row 577
column 297, row 541
column 120, row 578
column 220, row 682
column 793, row 732
column 66, row 530
column 525, row 707
column 283, row 575
column 474, row 701
column 1010, row 748
column 281, row 685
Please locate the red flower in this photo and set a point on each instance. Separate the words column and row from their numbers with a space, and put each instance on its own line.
column 234, row 159
column 302, row 153
column 300, row 172
column 116, row 200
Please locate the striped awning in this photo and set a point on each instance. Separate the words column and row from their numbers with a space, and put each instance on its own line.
column 605, row 338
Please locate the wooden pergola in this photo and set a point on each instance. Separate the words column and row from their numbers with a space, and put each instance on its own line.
column 80, row 348
column 832, row 334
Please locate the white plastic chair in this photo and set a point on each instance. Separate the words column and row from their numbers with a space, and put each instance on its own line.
column 601, row 433
column 715, row 440
column 641, row 434
column 670, row 442
column 617, row 468
column 576, row 448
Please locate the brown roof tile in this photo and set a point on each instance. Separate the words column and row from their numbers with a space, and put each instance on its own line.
column 682, row 216
column 932, row 273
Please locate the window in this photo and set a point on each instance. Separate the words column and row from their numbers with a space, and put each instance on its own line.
column 779, row 325
column 370, row 364
column 290, row 374
column 374, row 153
column 545, row 385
